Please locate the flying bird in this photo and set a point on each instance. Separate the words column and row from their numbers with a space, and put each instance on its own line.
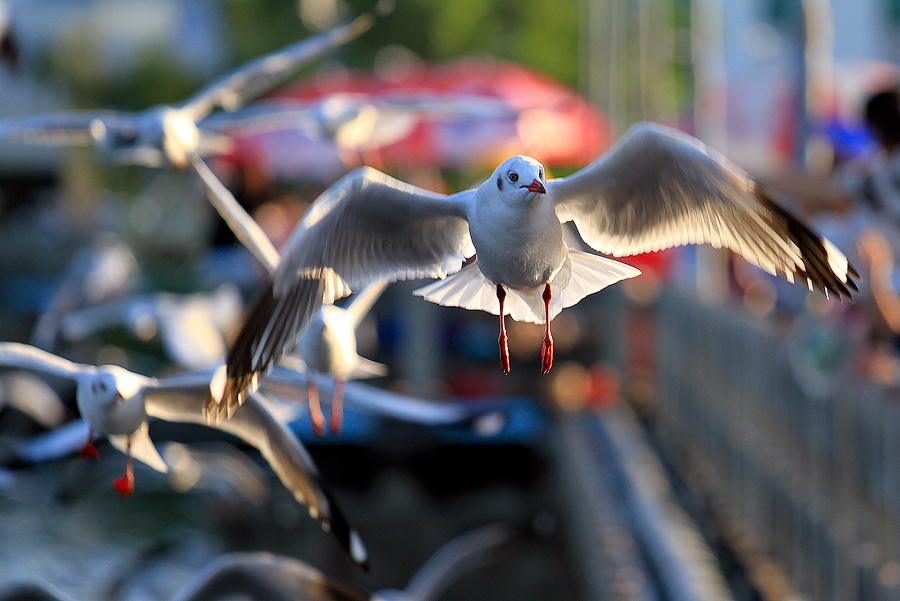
column 328, row 346
column 192, row 327
column 654, row 189
column 165, row 135
column 118, row 403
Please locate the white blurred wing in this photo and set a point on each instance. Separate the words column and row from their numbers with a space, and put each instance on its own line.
column 22, row 356
column 265, row 73
column 61, row 442
column 370, row 399
column 658, row 188
column 181, row 399
column 244, row 227
column 362, row 302
column 366, row 226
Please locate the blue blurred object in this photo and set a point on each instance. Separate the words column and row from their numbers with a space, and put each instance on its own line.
column 505, row 420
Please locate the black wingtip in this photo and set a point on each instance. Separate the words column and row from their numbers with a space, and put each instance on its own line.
column 817, row 267
column 347, row 537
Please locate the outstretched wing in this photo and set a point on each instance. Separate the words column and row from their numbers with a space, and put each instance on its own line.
column 265, row 73
column 181, row 399
column 658, row 188
column 366, row 226
column 14, row 355
column 72, row 128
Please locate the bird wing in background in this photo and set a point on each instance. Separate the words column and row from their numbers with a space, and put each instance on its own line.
column 181, row 399
column 266, row 73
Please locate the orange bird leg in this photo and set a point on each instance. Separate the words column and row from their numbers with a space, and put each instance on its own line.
column 547, row 347
column 125, row 483
column 337, row 407
column 89, row 451
column 503, row 340
column 315, row 410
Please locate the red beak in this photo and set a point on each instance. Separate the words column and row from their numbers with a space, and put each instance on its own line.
column 536, row 186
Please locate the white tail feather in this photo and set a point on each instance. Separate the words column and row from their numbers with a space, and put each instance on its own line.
column 582, row 274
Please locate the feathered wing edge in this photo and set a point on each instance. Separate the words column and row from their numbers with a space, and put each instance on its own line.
column 754, row 226
column 581, row 275
column 825, row 266
column 270, row 331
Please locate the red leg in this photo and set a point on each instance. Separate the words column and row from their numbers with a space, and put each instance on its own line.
column 337, row 407
column 315, row 410
column 547, row 347
column 89, row 451
column 503, row 340
column 125, row 484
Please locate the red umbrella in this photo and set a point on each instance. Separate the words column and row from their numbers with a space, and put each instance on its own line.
column 468, row 113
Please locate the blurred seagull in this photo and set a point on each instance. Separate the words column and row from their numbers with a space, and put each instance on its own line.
column 328, row 346
column 117, row 403
column 164, row 135
column 655, row 188
column 106, row 270
column 193, row 327
column 217, row 466
column 264, row 576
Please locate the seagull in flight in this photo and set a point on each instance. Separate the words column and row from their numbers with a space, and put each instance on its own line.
column 117, row 403
column 328, row 346
column 166, row 135
column 655, row 188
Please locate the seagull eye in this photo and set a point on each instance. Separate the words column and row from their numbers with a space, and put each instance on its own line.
column 513, row 176
column 540, row 174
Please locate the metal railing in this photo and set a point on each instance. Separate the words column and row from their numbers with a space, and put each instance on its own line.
column 808, row 460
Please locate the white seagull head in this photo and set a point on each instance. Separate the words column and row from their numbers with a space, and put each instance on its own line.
column 519, row 179
column 111, row 401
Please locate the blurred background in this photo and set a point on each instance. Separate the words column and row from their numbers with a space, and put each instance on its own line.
column 708, row 432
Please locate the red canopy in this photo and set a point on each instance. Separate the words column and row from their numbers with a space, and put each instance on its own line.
column 468, row 113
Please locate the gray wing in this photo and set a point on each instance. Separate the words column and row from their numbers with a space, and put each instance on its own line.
column 383, row 402
column 263, row 576
column 658, row 188
column 181, row 399
column 72, row 128
column 456, row 557
column 265, row 73
column 32, row 591
column 244, row 227
column 366, row 226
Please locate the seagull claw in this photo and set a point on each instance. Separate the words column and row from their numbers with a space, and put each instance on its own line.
column 547, row 354
column 124, row 485
column 89, row 451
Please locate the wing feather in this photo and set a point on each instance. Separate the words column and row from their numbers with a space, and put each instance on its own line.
column 181, row 399
column 23, row 356
column 367, row 226
column 658, row 188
